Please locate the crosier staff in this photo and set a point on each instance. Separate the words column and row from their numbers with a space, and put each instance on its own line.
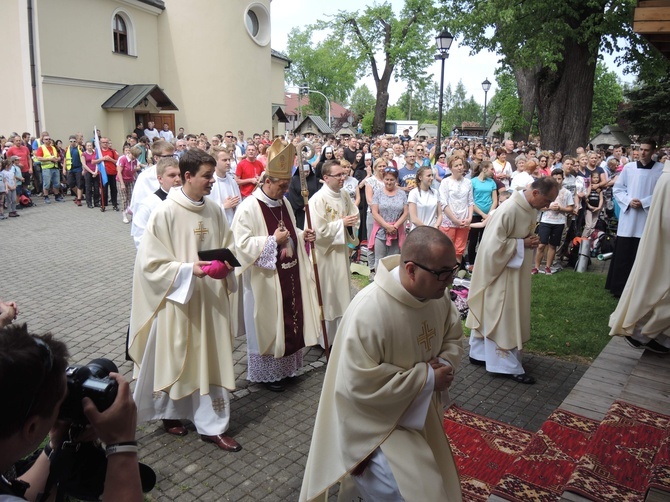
column 308, row 220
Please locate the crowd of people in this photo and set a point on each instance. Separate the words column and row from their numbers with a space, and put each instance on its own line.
column 255, row 236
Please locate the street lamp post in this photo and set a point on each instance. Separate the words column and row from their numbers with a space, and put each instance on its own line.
column 486, row 85
column 443, row 41
column 305, row 88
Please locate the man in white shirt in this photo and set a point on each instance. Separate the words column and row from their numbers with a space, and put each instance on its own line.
column 166, row 133
column 151, row 132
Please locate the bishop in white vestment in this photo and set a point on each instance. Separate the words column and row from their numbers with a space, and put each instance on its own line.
column 281, row 314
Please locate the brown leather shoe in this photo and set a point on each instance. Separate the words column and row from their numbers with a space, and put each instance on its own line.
column 174, row 427
column 222, row 441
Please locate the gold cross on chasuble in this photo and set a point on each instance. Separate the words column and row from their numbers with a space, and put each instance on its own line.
column 425, row 336
column 201, row 231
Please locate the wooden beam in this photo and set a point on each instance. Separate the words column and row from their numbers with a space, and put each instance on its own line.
column 652, row 14
column 653, row 3
column 651, row 27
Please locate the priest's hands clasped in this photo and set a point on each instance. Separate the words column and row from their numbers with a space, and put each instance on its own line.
column 444, row 374
column 350, row 221
column 532, row 241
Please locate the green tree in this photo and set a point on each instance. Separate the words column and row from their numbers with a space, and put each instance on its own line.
column 648, row 109
column 362, row 101
column 506, row 103
column 458, row 109
column 326, row 67
column 552, row 48
column 607, row 96
column 402, row 40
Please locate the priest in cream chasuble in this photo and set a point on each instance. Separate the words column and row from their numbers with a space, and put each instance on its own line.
column 379, row 423
column 281, row 313
column 499, row 297
column 180, row 326
column 335, row 219
column 643, row 312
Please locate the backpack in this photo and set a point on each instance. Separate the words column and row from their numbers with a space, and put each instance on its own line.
column 605, row 244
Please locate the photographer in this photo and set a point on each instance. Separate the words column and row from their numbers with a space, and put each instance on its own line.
column 33, row 387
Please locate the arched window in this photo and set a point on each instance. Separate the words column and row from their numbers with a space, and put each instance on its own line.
column 120, row 35
column 123, row 33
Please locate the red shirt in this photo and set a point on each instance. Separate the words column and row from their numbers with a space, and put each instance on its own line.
column 246, row 170
column 23, row 153
column 110, row 167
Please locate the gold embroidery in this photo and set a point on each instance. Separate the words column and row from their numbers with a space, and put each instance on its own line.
column 201, row 231
column 425, row 336
column 218, row 404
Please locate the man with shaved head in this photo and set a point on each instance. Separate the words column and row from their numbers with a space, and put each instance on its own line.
column 379, row 425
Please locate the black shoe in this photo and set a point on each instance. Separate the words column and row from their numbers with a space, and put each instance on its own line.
column 275, row 386
column 97, row 204
column 116, row 208
column 90, row 206
column 477, row 362
column 522, row 378
column 651, row 346
column 634, row 343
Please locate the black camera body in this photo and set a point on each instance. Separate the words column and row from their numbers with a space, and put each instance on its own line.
column 93, row 381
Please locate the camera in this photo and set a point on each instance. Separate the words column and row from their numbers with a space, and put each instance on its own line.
column 93, row 381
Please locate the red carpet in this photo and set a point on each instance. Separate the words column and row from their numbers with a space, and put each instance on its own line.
column 618, row 463
column 660, row 474
column 483, row 450
column 545, row 465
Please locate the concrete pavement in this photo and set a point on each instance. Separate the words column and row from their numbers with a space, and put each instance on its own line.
column 70, row 270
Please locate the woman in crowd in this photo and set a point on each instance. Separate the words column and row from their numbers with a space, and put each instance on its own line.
column 371, row 185
column 350, row 183
column 501, row 168
column 263, row 155
column 126, row 173
column 389, row 210
column 485, row 197
column 441, row 167
column 558, row 160
column 424, row 201
column 544, row 169
column 457, row 205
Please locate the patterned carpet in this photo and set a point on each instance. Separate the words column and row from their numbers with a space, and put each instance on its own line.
column 483, row 450
column 545, row 465
column 619, row 464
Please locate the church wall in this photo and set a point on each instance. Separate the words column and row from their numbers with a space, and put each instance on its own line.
column 15, row 87
column 277, row 90
column 224, row 76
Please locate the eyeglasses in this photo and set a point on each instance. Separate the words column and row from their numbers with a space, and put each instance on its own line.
column 230, row 137
column 47, row 364
column 441, row 275
column 47, row 139
column 442, row 157
column 390, row 170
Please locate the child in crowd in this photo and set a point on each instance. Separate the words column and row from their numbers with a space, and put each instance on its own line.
column 502, row 197
column 594, row 203
column 128, row 167
column 9, row 180
column 18, row 176
column 552, row 222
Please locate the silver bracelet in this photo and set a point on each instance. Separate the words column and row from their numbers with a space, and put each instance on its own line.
column 114, row 449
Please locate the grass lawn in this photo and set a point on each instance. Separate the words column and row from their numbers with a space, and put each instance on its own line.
column 569, row 314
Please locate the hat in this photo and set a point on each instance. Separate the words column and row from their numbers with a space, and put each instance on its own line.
column 280, row 160
column 328, row 149
column 14, row 157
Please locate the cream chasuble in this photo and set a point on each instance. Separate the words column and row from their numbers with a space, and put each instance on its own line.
column 193, row 340
column 327, row 208
column 644, row 307
column 377, row 369
column 251, row 241
column 499, row 298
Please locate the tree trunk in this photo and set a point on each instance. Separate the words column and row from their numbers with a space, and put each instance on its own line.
column 380, row 111
column 565, row 98
column 526, row 83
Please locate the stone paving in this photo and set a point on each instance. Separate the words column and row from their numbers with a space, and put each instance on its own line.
column 70, row 270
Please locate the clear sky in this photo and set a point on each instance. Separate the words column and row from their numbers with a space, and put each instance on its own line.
column 473, row 70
